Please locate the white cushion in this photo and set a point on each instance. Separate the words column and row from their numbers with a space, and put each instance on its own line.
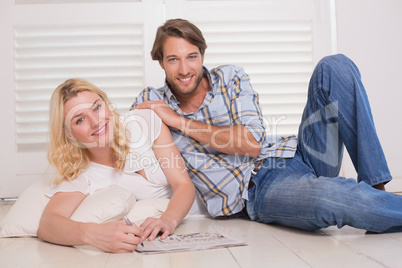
column 145, row 208
column 23, row 217
column 105, row 205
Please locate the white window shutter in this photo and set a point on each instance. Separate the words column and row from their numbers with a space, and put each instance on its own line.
column 277, row 42
column 42, row 45
column 278, row 57
column 109, row 56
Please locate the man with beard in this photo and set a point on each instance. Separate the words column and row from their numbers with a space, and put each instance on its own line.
column 238, row 171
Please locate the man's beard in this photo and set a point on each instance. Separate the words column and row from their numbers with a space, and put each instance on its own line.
column 177, row 90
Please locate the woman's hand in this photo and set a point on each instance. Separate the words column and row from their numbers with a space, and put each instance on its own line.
column 183, row 195
column 56, row 227
column 153, row 226
column 115, row 237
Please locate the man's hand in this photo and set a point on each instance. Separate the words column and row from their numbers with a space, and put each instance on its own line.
column 235, row 139
column 168, row 116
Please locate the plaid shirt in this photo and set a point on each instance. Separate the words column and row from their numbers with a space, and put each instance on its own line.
column 222, row 180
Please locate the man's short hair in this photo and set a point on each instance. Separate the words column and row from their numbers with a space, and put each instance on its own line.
column 177, row 28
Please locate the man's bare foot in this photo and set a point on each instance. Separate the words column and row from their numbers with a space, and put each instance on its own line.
column 379, row 186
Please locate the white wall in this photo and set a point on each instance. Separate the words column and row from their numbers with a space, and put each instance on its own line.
column 369, row 32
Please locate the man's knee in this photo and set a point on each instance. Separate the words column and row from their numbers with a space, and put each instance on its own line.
column 338, row 63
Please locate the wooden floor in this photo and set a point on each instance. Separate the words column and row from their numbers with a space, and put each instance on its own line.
column 268, row 246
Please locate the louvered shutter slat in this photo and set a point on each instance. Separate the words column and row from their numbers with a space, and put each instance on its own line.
column 110, row 56
column 277, row 55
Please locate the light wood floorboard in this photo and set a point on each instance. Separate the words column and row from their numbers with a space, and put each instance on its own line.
column 268, row 246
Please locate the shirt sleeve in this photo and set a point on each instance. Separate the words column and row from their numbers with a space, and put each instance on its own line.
column 245, row 106
column 144, row 127
column 148, row 93
column 79, row 184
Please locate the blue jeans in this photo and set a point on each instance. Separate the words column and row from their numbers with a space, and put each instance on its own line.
column 305, row 191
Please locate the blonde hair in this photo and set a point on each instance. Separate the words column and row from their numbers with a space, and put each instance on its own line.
column 68, row 158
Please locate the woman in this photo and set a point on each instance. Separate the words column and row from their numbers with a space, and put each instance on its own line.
column 87, row 138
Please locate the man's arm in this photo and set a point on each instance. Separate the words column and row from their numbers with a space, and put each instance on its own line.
column 235, row 139
column 246, row 134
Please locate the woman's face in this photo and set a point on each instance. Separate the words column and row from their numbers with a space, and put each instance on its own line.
column 88, row 120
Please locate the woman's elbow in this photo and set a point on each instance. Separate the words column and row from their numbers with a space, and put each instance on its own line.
column 40, row 233
column 190, row 190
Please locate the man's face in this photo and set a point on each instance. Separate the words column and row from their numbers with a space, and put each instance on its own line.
column 182, row 63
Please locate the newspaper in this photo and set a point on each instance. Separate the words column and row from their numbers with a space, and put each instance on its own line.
column 188, row 242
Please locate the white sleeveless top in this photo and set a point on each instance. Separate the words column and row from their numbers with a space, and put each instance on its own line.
column 144, row 127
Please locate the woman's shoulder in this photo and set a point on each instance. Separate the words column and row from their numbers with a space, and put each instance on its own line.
column 144, row 126
column 141, row 114
column 79, row 184
column 88, row 181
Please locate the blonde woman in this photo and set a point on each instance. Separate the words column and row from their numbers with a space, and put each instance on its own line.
column 91, row 148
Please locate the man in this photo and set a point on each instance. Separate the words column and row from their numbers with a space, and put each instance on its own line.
column 238, row 170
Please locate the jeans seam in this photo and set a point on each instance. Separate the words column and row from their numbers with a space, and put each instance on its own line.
column 347, row 123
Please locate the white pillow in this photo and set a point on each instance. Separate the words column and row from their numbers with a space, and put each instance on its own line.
column 23, row 217
column 145, row 208
column 105, row 205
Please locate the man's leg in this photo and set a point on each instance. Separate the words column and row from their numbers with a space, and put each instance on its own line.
column 289, row 194
column 305, row 192
column 338, row 112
